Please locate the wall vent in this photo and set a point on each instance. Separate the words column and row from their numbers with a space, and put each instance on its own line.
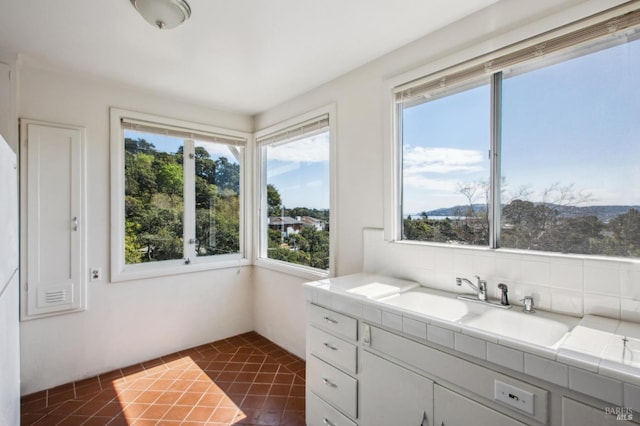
column 55, row 296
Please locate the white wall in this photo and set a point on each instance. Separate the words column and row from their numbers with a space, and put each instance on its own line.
column 131, row 321
column 280, row 309
column 363, row 106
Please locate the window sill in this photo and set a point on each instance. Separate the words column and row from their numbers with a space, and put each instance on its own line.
column 160, row 269
column 506, row 251
column 305, row 272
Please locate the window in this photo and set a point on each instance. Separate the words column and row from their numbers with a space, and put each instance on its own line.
column 295, row 194
column 532, row 150
column 178, row 194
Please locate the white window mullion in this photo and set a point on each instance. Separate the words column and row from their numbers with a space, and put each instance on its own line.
column 189, row 220
column 495, row 207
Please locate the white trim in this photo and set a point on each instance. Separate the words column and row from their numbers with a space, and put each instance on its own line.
column 260, row 239
column 120, row 271
column 300, row 271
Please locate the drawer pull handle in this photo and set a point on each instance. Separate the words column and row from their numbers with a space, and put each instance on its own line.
column 329, row 382
column 330, row 346
column 327, row 422
column 331, row 320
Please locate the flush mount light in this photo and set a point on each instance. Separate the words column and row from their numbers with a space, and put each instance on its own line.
column 164, row 14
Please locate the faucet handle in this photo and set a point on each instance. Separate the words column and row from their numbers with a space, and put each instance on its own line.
column 504, row 299
column 528, row 304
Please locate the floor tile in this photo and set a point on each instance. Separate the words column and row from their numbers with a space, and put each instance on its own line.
column 243, row 380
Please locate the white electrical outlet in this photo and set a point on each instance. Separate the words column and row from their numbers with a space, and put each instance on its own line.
column 95, row 274
column 514, row 397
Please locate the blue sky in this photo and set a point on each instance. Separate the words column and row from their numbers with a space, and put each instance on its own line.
column 300, row 171
column 574, row 123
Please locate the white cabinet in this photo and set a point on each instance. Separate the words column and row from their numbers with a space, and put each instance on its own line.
column 319, row 413
column 393, row 395
column 334, row 386
column 332, row 362
column 452, row 409
column 53, row 233
column 578, row 414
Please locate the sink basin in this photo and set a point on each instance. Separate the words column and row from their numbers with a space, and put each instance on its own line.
column 538, row 329
column 428, row 302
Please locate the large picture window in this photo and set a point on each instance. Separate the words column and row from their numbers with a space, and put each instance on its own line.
column 533, row 150
column 180, row 195
column 295, row 194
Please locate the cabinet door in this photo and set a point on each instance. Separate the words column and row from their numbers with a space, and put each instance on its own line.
column 393, row 395
column 579, row 414
column 55, row 225
column 452, row 409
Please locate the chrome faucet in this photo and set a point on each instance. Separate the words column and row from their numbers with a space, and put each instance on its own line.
column 480, row 290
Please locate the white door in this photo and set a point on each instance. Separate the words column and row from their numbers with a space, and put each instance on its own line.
column 452, row 409
column 55, row 215
column 393, row 395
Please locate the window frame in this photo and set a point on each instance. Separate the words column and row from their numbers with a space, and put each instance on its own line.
column 458, row 64
column 260, row 223
column 120, row 270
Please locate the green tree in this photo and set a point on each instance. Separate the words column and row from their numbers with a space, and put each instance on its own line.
column 626, row 230
column 170, row 179
column 274, row 201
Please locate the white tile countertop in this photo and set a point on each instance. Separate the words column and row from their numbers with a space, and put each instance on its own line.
column 595, row 355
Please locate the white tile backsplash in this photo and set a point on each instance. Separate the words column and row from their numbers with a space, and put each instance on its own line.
column 602, row 276
column 566, row 274
column 463, row 263
column 567, row 302
column 630, row 310
column 630, row 280
column 598, row 304
column 562, row 283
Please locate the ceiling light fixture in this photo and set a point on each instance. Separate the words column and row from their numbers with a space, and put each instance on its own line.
column 164, row 14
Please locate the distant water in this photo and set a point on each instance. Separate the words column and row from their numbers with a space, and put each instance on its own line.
column 415, row 216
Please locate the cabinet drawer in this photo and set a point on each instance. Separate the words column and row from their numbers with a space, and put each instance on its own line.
column 334, row 322
column 319, row 413
column 331, row 349
column 332, row 385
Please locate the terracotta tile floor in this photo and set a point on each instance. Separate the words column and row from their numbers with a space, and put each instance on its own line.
column 243, row 380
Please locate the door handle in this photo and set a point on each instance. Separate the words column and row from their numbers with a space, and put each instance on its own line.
column 74, row 223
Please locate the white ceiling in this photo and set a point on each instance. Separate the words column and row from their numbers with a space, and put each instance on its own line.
column 236, row 55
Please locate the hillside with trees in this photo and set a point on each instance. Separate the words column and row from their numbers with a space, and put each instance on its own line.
column 310, row 246
column 154, row 203
column 598, row 230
